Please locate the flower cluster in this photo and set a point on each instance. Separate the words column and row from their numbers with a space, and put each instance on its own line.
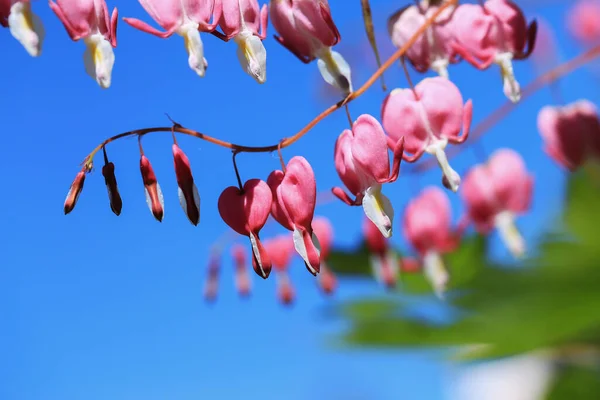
column 418, row 119
column 304, row 27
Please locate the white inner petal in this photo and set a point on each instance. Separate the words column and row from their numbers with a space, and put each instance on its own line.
column 252, row 55
column 335, row 70
column 436, row 148
column 511, row 86
column 26, row 27
column 378, row 209
column 505, row 223
column 99, row 59
column 194, row 47
column 256, row 252
column 435, row 272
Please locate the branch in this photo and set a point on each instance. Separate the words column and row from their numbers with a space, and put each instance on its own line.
column 291, row 140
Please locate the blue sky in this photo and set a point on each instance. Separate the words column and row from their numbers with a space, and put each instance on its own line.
column 97, row 307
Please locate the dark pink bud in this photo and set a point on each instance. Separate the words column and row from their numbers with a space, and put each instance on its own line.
column 116, row 204
column 211, row 287
column 285, row 290
column 246, row 211
column 74, row 192
column 188, row 192
column 154, row 196
column 242, row 279
column 294, row 200
column 327, row 280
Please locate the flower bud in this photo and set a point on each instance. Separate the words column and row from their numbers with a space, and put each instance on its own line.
column 74, row 192
column 116, row 204
column 154, row 196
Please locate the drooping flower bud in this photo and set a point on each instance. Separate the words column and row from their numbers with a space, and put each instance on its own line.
column 571, row 133
column 242, row 279
column 108, row 171
column 154, row 196
column 74, row 192
column 24, row 25
column 246, row 211
column 89, row 20
column 294, row 199
column 495, row 193
column 427, row 124
column 363, row 164
column 211, row 287
column 495, row 32
column 189, row 198
column 307, row 30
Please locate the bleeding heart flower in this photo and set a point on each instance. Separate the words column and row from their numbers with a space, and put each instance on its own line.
column 583, row 20
column 294, row 199
column 246, row 23
column 89, row 20
column 495, row 193
column 307, row 30
column 433, row 49
column 24, row 25
column 495, row 32
column 363, row 164
column 74, row 192
column 324, row 232
column 428, row 228
column 154, row 196
column 427, row 124
column 571, row 133
column 409, row 265
column 187, row 19
column 242, row 279
column 108, row 171
column 382, row 259
column 246, row 211
column 189, row 198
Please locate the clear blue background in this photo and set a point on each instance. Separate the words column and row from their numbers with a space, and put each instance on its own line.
column 98, row 307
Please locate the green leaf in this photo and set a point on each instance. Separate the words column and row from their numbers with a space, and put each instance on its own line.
column 575, row 382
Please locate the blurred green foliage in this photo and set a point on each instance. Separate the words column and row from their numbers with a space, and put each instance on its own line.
column 552, row 302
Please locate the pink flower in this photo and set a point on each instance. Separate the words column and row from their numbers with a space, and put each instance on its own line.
column 246, row 211
column 495, row 193
column 571, row 133
column 496, row 32
column 409, row 265
column 246, row 23
column 154, row 196
column 307, row 30
column 434, row 48
column 189, row 198
column 324, row 232
column 426, row 123
column 186, row 18
column 281, row 250
column 363, row 164
column 24, row 25
column 294, row 199
column 242, row 279
column 74, row 192
column 428, row 228
column 583, row 20
column 108, row 171
column 89, row 20
column 382, row 259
